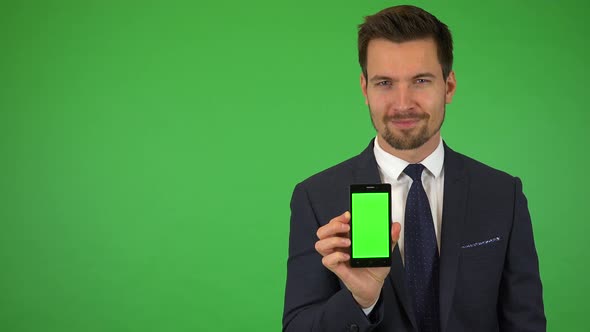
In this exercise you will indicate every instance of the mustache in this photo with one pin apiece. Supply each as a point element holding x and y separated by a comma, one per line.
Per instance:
<point>406,116</point>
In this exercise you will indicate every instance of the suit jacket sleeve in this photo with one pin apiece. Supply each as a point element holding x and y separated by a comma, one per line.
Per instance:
<point>520,298</point>
<point>314,297</point>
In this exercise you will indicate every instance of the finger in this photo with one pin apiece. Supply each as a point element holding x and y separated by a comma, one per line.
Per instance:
<point>395,231</point>
<point>345,217</point>
<point>335,226</point>
<point>333,260</point>
<point>331,244</point>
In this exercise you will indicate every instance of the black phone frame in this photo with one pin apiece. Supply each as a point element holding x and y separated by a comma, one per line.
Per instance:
<point>370,188</point>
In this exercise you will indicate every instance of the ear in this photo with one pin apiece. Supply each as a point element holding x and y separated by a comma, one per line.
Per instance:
<point>364,88</point>
<point>451,86</point>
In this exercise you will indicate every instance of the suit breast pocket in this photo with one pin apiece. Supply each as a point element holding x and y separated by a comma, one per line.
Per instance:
<point>480,268</point>
<point>483,250</point>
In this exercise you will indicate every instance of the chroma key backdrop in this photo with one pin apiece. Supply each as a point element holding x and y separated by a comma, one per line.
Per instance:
<point>149,149</point>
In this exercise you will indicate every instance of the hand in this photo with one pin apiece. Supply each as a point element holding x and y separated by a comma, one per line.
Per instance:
<point>334,241</point>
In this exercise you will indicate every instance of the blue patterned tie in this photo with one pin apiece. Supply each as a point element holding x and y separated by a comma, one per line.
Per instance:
<point>421,254</point>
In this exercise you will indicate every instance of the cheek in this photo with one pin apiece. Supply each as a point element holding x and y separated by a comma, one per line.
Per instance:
<point>379,101</point>
<point>375,103</point>
<point>431,103</point>
<point>373,96</point>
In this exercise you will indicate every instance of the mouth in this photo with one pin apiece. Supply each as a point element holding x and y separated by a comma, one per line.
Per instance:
<point>405,123</point>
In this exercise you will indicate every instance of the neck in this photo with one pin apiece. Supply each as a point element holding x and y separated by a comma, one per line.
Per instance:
<point>413,156</point>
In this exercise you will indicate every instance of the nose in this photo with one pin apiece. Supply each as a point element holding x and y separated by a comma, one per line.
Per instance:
<point>402,98</point>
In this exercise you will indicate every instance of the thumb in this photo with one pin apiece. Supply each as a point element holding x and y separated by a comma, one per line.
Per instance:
<point>395,230</point>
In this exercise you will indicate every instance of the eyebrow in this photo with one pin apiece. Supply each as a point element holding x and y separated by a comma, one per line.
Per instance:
<point>387,78</point>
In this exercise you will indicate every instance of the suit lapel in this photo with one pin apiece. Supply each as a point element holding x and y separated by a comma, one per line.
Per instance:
<point>453,218</point>
<point>367,172</point>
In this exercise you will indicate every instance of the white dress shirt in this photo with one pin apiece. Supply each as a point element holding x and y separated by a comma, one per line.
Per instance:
<point>391,170</point>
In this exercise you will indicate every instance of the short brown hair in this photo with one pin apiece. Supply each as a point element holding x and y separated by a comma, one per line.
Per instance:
<point>405,23</point>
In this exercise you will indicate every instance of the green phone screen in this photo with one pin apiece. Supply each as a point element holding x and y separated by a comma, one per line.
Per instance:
<point>370,225</point>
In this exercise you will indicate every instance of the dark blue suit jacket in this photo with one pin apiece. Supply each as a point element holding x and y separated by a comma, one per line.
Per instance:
<point>489,273</point>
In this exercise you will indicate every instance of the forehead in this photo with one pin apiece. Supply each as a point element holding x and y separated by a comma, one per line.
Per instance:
<point>385,57</point>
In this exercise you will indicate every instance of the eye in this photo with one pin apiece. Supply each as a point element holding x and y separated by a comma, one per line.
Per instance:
<point>422,81</point>
<point>383,83</point>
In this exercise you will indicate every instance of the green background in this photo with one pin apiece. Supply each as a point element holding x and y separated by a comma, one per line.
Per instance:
<point>370,225</point>
<point>149,149</point>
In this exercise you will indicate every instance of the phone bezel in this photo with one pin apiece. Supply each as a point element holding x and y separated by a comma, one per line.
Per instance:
<point>370,188</point>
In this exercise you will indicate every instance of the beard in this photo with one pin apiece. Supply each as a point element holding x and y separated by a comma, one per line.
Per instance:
<point>411,138</point>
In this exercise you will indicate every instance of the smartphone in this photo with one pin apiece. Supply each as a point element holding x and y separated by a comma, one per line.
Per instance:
<point>370,225</point>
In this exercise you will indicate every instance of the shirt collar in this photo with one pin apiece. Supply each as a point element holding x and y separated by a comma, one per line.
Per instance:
<point>393,166</point>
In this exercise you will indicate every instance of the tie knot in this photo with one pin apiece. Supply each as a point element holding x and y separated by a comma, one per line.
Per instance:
<point>414,171</point>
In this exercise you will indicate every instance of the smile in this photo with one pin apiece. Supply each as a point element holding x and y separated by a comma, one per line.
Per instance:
<point>405,123</point>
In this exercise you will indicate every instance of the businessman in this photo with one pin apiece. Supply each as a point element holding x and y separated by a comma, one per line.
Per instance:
<point>464,257</point>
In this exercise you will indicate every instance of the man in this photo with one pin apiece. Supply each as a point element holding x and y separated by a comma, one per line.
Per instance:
<point>464,259</point>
